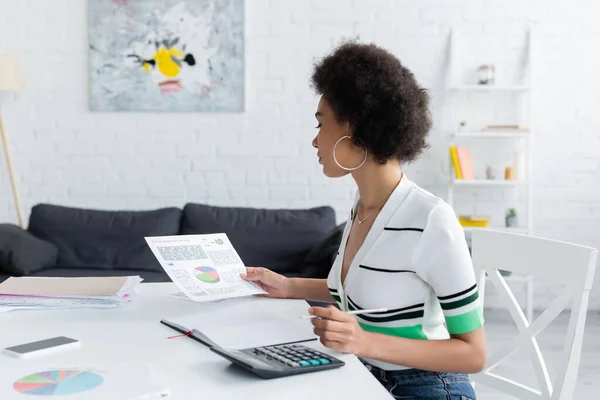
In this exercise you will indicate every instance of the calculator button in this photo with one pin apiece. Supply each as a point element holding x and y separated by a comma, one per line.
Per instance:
<point>314,362</point>
<point>323,361</point>
<point>303,363</point>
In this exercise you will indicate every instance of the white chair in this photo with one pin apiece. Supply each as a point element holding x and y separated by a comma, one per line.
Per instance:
<point>567,264</point>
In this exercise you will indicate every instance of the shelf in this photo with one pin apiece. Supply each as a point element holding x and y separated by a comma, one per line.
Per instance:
<point>487,182</point>
<point>523,230</point>
<point>491,88</point>
<point>493,135</point>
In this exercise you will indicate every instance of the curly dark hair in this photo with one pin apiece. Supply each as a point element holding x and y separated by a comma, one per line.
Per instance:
<point>368,87</point>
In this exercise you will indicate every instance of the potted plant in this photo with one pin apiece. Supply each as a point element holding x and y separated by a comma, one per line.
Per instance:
<point>511,218</point>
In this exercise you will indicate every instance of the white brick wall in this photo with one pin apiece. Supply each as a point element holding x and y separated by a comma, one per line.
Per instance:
<point>67,155</point>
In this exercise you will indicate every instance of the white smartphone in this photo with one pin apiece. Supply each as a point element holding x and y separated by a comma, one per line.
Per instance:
<point>41,347</point>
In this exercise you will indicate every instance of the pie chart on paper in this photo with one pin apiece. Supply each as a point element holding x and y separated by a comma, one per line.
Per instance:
<point>60,382</point>
<point>207,274</point>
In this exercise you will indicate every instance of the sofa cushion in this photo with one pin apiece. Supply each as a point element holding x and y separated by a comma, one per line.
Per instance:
<point>103,239</point>
<point>277,239</point>
<point>318,261</point>
<point>21,253</point>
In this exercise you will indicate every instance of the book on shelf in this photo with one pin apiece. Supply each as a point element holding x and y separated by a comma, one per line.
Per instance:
<point>462,162</point>
<point>454,158</point>
<point>474,220</point>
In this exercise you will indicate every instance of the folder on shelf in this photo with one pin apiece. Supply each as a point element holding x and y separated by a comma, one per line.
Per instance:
<point>465,163</point>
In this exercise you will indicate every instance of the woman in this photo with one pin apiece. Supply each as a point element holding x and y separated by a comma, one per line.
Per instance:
<point>402,249</point>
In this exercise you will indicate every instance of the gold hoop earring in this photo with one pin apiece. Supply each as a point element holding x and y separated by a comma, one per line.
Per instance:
<point>346,168</point>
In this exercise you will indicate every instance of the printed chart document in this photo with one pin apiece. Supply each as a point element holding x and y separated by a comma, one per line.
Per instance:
<point>204,267</point>
<point>119,381</point>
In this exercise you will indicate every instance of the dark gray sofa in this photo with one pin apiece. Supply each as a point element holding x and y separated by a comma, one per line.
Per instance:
<point>66,241</point>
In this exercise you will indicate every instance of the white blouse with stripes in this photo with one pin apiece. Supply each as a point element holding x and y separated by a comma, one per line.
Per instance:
<point>415,263</point>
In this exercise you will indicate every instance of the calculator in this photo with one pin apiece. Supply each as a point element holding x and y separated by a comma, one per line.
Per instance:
<point>281,360</point>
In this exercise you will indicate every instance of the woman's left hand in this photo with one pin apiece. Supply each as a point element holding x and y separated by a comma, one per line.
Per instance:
<point>339,330</point>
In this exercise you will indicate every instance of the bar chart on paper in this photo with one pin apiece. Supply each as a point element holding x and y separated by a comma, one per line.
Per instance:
<point>58,382</point>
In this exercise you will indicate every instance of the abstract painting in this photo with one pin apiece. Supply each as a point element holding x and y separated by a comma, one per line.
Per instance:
<point>166,55</point>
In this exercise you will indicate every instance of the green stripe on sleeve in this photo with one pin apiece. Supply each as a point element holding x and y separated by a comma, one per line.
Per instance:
<point>466,322</point>
<point>336,298</point>
<point>409,332</point>
<point>460,303</point>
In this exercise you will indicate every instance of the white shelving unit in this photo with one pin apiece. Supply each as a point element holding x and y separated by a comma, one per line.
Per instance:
<point>456,137</point>
<point>494,88</point>
<point>518,90</point>
<point>483,182</point>
<point>492,135</point>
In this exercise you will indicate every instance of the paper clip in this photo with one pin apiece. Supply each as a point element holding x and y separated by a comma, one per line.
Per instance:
<point>182,335</point>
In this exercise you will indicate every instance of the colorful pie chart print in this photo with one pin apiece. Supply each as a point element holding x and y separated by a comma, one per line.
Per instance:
<point>219,241</point>
<point>60,382</point>
<point>207,274</point>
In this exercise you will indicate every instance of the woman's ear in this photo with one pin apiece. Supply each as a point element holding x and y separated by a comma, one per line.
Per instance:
<point>347,128</point>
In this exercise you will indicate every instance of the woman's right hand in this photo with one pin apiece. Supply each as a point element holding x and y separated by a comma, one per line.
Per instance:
<point>276,285</point>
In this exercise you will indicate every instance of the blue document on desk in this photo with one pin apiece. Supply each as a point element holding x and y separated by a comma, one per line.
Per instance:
<point>247,323</point>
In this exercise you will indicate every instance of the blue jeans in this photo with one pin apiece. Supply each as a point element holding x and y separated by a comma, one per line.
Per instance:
<point>418,384</point>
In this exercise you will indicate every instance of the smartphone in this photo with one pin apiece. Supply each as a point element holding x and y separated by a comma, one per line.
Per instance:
<point>41,347</point>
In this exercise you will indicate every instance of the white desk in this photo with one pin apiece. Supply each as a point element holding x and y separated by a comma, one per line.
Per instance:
<point>186,366</point>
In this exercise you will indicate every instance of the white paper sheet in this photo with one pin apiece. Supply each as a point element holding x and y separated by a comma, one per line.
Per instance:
<point>74,293</point>
<point>204,267</point>
<point>81,381</point>
<point>250,323</point>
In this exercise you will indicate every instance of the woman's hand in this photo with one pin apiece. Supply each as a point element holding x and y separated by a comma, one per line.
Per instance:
<point>276,285</point>
<point>339,330</point>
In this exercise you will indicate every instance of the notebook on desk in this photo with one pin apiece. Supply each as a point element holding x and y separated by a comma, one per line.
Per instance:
<point>261,336</point>
<point>245,324</point>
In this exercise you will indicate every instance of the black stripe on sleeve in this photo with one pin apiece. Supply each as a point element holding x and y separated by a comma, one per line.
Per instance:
<point>385,270</point>
<point>332,290</point>
<point>390,317</point>
<point>395,310</point>
<point>400,309</point>
<point>389,228</point>
<point>395,317</point>
<point>457,294</point>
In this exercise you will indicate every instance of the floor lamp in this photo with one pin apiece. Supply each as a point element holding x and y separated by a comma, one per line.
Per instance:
<point>10,81</point>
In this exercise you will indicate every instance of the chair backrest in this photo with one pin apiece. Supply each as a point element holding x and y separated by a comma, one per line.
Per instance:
<point>568,264</point>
